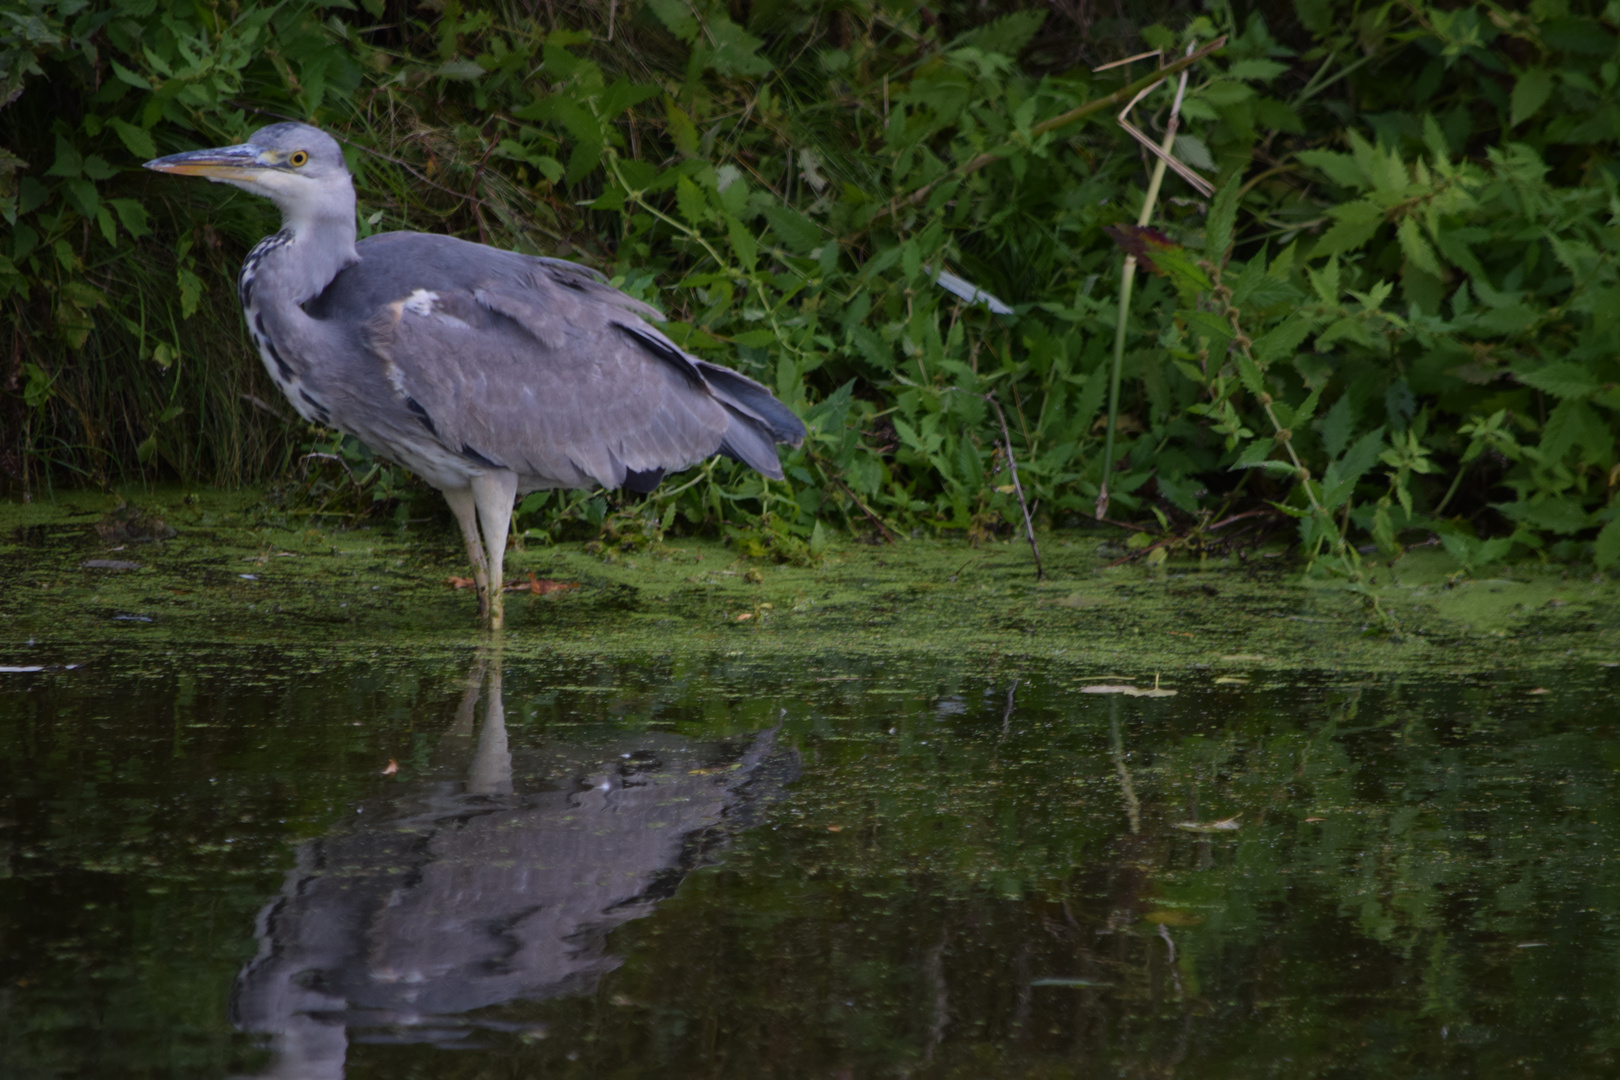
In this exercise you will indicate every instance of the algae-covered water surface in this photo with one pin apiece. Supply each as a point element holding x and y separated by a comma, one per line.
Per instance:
<point>269,806</point>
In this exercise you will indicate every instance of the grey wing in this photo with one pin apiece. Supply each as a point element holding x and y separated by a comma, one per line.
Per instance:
<point>538,367</point>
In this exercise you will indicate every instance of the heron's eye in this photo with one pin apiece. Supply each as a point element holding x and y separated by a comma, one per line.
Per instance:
<point>297,158</point>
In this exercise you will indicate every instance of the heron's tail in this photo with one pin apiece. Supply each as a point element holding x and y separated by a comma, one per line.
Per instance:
<point>758,420</point>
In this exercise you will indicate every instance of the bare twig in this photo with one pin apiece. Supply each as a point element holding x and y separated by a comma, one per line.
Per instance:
<point>1012,465</point>
<point>867,510</point>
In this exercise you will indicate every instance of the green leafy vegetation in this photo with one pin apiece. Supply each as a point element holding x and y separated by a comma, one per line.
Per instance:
<point>1397,322</point>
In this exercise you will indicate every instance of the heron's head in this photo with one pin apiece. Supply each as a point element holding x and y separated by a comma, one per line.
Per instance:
<point>300,167</point>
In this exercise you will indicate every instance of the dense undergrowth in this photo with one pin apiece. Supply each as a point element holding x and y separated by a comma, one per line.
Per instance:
<point>1398,320</point>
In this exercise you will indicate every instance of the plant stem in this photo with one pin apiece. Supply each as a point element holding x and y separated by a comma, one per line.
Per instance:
<point>1128,277</point>
<point>1012,465</point>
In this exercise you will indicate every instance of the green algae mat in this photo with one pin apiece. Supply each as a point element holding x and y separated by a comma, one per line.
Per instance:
<point>89,570</point>
<point>270,805</point>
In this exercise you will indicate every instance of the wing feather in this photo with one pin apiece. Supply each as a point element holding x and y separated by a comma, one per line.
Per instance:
<point>537,365</point>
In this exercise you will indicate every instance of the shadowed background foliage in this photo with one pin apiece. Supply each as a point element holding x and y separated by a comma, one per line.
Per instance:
<point>1408,280</point>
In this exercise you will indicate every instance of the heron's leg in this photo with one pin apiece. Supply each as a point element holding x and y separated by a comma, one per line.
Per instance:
<point>495,492</point>
<point>462,504</point>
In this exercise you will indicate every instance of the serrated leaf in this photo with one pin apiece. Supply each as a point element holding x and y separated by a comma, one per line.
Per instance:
<point>1222,218</point>
<point>689,200</point>
<point>131,215</point>
<point>1562,380</point>
<point>1007,35</point>
<point>1336,427</point>
<point>1416,247</point>
<point>1355,225</point>
<point>1530,93</point>
<point>1307,409</point>
<point>1211,325</point>
<point>1250,374</point>
<point>1283,339</point>
<point>1340,168</point>
<point>743,243</point>
<point>797,231</point>
<point>136,140</point>
<point>69,162</point>
<point>1194,151</point>
<point>1255,454</point>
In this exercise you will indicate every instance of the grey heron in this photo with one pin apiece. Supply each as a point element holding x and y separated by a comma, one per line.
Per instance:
<point>485,372</point>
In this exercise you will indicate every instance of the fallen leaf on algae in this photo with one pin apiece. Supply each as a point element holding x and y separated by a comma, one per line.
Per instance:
<point>745,616</point>
<point>1224,825</point>
<point>459,582</point>
<point>1540,690</point>
<point>1231,679</point>
<point>391,768</point>
<point>540,586</point>
<point>1128,691</point>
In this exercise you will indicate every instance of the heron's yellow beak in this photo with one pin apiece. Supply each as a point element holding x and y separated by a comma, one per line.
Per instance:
<point>223,163</point>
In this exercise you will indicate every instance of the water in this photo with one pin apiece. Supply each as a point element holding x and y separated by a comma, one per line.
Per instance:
<point>253,863</point>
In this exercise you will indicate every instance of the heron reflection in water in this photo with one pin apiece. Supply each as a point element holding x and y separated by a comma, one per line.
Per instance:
<point>471,890</point>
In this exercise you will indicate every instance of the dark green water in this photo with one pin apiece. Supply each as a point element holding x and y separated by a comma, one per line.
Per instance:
<point>857,867</point>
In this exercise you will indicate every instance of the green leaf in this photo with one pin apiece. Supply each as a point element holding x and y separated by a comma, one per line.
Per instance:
<point>1250,374</point>
<point>1255,454</point>
<point>742,243</point>
<point>1336,427</point>
<point>191,288</point>
<point>1562,380</point>
<point>1342,475</point>
<point>1355,224</point>
<point>1256,70</point>
<point>1530,93</point>
<point>1211,325</point>
<point>69,162</point>
<point>1606,550</point>
<point>1340,168</point>
<point>1195,152</point>
<point>733,53</point>
<point>1283,339</point>
<point>1007,35</point>
<point>676,15</point>
<point>1415,247</point>
<point>1222,217</point>
<point>137,140</point>
<point>622,95</point>
<point>1307,409</point>
<point>1226,92</point>
<point>691,203</point>
<point>797,231</point>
